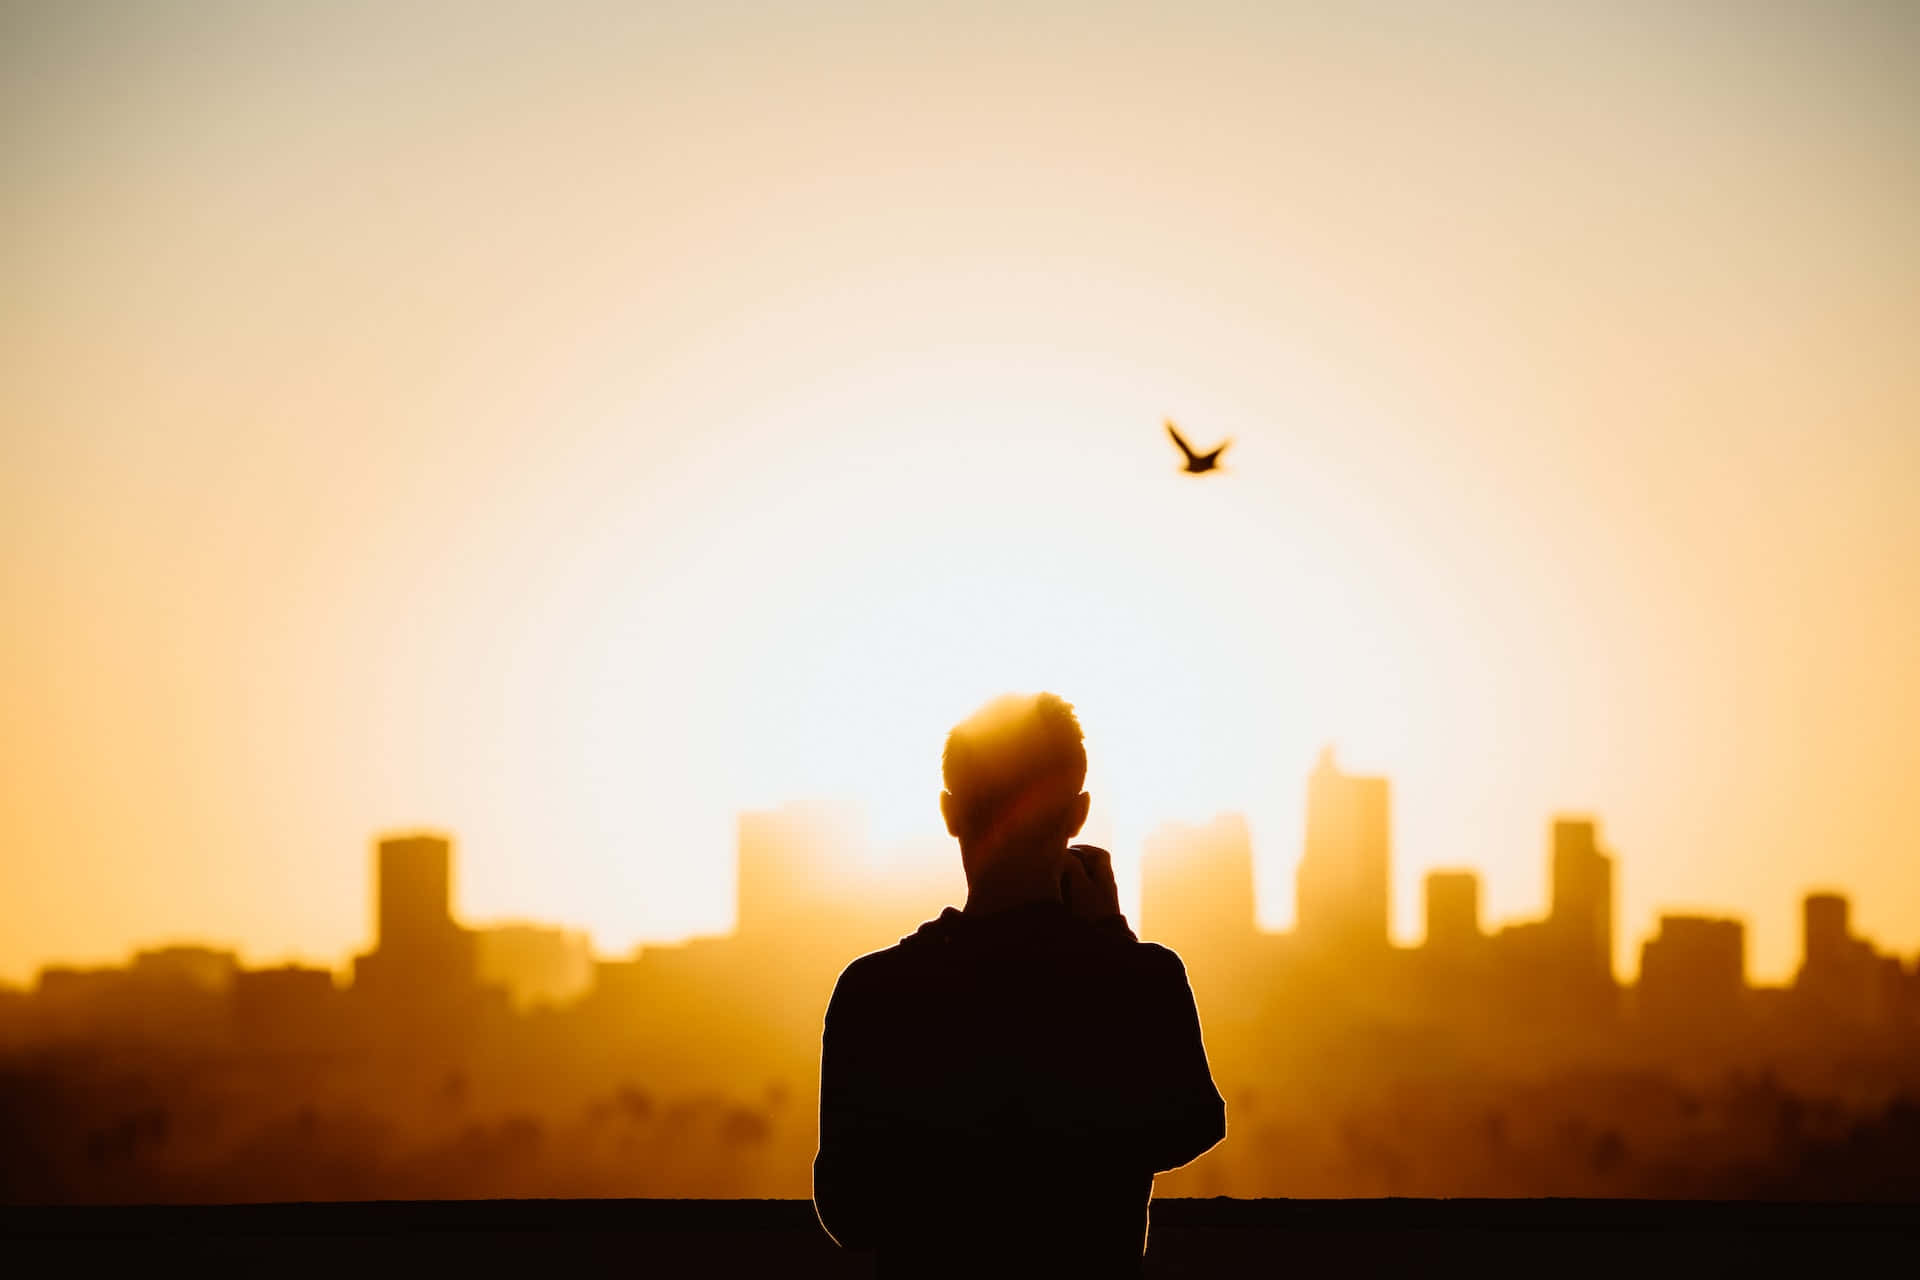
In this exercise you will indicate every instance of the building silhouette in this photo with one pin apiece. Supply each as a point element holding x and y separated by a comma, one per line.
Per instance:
<point>286,1007</point>
<point>173,994</point>
<point>423,965</point>
<point>1581,916</point>
<point>1842,979</point>
<point>1693,977</point>
<point>1342,888</point>
<point>723,1009</point>
<point>1453,914</point>
<point>207,969</point>
<point>413,900</point>
<point>534,964</point>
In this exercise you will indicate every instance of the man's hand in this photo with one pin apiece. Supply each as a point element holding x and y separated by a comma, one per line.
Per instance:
<point>1086,881</point>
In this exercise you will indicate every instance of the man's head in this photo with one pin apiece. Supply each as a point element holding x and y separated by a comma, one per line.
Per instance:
<point>1014,771</point>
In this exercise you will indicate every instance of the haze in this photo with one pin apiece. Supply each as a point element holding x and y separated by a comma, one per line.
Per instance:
<point>570,424</point>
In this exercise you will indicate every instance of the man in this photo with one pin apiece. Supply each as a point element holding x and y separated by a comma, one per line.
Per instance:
<point>998,1090</point>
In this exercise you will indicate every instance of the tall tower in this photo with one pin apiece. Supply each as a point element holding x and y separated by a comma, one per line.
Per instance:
<point>414,903</point>
<point>1342,888</point>
<point>1824,932</point>
<point>421,958</point>
<point>1581,917</point>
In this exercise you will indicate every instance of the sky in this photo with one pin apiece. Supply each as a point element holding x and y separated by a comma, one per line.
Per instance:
<point>570,424</point>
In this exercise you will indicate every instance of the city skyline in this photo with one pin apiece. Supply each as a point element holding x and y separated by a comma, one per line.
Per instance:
<point>1347,853</point>
<point>464,1060</point>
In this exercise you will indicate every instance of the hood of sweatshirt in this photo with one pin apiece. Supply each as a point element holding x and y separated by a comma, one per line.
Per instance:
<point>955,925</point>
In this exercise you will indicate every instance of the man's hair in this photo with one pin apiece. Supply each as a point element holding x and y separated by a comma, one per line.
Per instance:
<point>1024,748</point>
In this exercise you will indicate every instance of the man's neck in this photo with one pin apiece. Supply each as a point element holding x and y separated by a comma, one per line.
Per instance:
<point>1016,880</point>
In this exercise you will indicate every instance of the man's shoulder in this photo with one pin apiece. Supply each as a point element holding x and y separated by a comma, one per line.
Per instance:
<point>890,964</point>
<point>1154,962</point>
<point>874,967</point>
<point>1154,956</point>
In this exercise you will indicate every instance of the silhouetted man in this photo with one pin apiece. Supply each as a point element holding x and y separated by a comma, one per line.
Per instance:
<point>998,1090</point>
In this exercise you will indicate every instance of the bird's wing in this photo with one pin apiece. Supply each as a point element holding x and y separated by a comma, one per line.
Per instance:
<point>1213,459</point>
<point>1184,446</point>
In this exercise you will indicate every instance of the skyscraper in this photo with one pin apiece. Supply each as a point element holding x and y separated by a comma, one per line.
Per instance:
<point>1825,931</point>
<point>1453,912</point>
<point>1341,890</point>
<point>421,957</point>
<point>1581,917</point>
<point>414,903</point>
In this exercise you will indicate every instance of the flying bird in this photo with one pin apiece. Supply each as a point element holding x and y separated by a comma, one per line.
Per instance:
<point>1197,463</point>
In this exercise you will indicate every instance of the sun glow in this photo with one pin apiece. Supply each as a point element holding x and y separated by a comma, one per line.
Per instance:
<point>568,432</point>
<point>883,587</point>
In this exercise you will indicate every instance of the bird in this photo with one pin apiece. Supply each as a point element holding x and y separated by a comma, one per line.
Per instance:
<point>1197,463</point>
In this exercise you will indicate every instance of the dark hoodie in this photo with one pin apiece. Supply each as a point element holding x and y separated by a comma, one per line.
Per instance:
<point>997,1092</point>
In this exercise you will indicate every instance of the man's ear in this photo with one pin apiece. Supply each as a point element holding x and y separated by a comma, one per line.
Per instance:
<point>950,810</point>
<point>1077,816</point>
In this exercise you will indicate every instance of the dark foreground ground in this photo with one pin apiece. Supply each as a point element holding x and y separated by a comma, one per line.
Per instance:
<point>780,1238</point>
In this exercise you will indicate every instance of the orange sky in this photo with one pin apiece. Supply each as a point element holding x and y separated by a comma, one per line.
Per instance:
<point>568,424</point>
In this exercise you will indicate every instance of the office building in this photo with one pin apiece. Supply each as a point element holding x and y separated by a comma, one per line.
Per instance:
<point>1581,914</point>
<point>1693,974</point>
<point>421,956</point>
<point>1342,893</point>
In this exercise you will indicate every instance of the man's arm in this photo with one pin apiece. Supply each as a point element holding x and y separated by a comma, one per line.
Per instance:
<point>1181,1114</point>
<point>1185,1114</point>
<point>850,1174</point>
